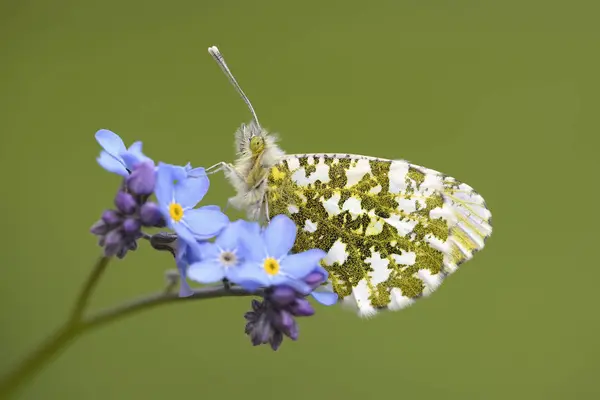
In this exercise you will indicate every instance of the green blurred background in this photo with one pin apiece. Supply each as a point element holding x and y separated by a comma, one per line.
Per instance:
<point>500,94</point>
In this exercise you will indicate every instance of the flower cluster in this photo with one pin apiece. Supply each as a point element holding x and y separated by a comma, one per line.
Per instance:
<point>210,249</point>
<point>118,230</point>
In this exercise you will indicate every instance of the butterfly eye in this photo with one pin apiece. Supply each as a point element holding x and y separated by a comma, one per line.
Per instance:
<point>257,144</point>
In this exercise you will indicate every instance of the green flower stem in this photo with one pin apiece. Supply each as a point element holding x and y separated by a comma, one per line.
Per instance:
<point>77,324</point>
<point>91,283</point>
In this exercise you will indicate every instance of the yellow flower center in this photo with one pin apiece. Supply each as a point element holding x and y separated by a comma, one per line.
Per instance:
<point>271,266</point>
<point>176,212</point>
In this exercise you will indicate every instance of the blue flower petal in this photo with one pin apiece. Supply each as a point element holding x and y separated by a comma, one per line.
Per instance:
<point>131,160</point>
<point>186,236</point>
<point>192,189</point>
<point>208,271</point>
<point>184,287</point>
<point>111,164</point>
<point>325,298</point>
<point>110,142</point>
<point>252,246</point>
<point>251,276</point>
<point>135,148</point>
<point>280,236</point>
<point>296,284</point>
<point>134,155</point>
<point>204,222</point>
<point>229,238</point>
<point>164,188</point>
<point>250,227</point>
<point>208,251</point>
<point>195,172</point>
<point>301,264</point>
<point>211,207</point>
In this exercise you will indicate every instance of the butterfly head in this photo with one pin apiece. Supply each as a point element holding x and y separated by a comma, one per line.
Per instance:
<point>257,145</point>
<point>251,140</point>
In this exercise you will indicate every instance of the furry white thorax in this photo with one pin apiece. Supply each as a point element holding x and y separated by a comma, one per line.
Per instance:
<point>251,194</point>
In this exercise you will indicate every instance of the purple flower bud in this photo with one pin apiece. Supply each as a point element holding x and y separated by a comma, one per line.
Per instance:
<point>293,334</point>
<point>150,214</point>
<point>262,331</point>
<point>125,202</point>
<point>111,218</point>
<point>314,279</point>
<point>142,179</point>
<point>99,228</point>
<point>276,340</point>
<point>131,226</point>
<point>283,321</point>
<point>256,305</point>
<point>283,295</point>
<point>113,243</point>
<point>301,308</point>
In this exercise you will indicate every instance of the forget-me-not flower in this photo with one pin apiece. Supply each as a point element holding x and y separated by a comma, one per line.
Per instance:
<point>222,258</point>
<point>269,262</point>
<point>178,190</point>
<point>116,157</point>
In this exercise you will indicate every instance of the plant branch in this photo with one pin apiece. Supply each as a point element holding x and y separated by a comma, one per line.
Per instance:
<point>75,327</point>
<point>91,283</point>
<point>158,299</point>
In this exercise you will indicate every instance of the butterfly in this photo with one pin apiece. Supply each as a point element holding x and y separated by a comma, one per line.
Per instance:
<point>392,230</point>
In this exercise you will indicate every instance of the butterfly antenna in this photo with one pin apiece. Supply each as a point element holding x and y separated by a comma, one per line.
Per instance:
<point>216,54</point>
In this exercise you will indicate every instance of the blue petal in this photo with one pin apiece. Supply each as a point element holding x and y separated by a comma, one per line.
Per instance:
<point>205,223</point>
<point>229,238</point>
<point>250,227</point>
<point>208,251</point>
<point>135,148</point>
<point>131,160</point>
<point>134,155</point>
<point>195,172</point>
<point>164,187</point>
<point>110,142</point>
<point>111,164</point>
<point>184,234</point>
<point>191,190</point>
<point>296,284</point>
<point>251,276</point>
<point>325,298</point>
<point>280,236</point>
<point>211,207</point>
<point>301,264</point>
<point>252,246</point>
<point>206,272</point>
<point>184,287</point>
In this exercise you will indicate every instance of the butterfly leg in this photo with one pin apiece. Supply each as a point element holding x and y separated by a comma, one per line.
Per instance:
<point>266,203</point>
<point>223,166</point>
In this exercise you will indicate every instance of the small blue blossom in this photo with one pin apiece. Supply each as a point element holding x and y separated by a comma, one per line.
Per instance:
<point>178,191</point>
<point>267,259</point>
<point>115,157</point>
<point>222,259</point>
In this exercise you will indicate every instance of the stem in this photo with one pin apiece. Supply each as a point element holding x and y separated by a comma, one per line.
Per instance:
<point>42,355</point>
<point>91,283</point>
<point>158,299</point>
<point>73,328</point>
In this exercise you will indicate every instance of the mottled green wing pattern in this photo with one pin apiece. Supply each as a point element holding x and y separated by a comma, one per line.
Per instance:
<point>393,230</point>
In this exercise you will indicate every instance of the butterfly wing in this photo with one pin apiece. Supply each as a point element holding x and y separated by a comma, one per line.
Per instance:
<point>393,231</point>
